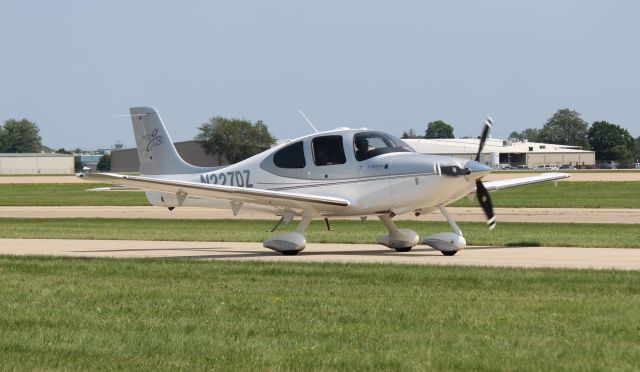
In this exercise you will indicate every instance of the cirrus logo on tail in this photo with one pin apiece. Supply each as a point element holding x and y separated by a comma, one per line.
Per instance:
<point>153,140</point>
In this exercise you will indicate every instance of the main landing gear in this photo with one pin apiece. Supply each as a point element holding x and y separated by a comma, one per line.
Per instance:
<point>292,242</point>
<point>400,239</point>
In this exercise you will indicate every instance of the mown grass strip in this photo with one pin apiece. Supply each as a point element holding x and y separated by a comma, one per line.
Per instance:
<point>545,195</point>
<point>565,195</point>
<point>86,314</point>
<point>66,194</point>
<point>506,234</point>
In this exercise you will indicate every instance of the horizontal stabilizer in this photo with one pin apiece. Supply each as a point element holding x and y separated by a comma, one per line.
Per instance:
<point>115,188</point>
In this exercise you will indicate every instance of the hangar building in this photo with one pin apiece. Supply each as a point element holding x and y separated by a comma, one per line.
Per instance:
<point>35,163</point>
<point>513,152</point>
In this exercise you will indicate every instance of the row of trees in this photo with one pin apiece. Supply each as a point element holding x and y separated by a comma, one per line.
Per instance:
<point>566,127</point>
<point>231,139</point>
<point>237,139</point>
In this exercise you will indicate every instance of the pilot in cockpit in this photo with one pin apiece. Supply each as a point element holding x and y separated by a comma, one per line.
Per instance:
<point>362,148</point>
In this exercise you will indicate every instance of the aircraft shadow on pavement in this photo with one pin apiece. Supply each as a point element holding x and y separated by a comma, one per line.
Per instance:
<point>227,253</point>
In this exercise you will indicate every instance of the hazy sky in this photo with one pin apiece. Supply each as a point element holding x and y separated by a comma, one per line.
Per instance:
<point>72,66</point>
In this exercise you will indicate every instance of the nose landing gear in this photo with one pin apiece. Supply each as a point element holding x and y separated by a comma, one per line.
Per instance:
<point>446,242</point>
<point>402,240</point>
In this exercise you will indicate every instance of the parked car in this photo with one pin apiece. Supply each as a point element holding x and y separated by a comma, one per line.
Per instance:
<point>590,166</point>
<point>547,167</point>
<point>522,167</point>
<point>567,166</point>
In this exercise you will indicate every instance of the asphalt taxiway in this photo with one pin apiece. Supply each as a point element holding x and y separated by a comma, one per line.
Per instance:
<point>528,257</point>
<point>529,215</point>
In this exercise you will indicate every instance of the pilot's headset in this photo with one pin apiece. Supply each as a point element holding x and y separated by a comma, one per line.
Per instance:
<point>362,142</point>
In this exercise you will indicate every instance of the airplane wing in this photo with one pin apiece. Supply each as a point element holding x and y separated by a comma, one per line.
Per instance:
<point>504,184</point>
<point>232,193</point>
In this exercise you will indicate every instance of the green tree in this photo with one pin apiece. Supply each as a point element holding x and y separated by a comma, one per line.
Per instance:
<point>235,139</point>
<point>410,134</point>
<point>20,136</point>
<point>637,155</point>
<point>77,163</point>
<point>622,154</point>
<point>604,137</point>
<point>529,134</point>
<point>104,164</point>
<point>439,129</point>
<point>565,127</point>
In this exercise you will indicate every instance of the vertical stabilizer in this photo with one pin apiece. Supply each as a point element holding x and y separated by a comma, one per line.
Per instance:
<point>156,151</point>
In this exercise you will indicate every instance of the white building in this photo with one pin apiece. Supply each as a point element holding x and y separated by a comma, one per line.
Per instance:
<point>34,163</point>
<point>512,152</point>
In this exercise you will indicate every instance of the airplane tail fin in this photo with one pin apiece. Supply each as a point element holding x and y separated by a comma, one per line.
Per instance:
<point>156,151</point>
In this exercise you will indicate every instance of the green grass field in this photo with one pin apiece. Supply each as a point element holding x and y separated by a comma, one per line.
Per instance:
<point>505,234</point>
<point>87,314</point>
<point>565,195</point>
<point>545,195</point>
<point>66,194</point>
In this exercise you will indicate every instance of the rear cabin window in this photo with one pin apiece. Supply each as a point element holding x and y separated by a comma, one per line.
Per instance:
<point>328,150</point>
<point>292,156</point>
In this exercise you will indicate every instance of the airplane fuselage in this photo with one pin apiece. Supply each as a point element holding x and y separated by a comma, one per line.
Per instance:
<point>389,179</point>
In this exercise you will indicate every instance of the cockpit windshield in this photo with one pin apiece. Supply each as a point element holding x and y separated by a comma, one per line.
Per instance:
<point>367,145</point>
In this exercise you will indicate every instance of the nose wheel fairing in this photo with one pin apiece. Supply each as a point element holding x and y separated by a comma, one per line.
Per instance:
<point>401,240</point>
<point>447,242</point>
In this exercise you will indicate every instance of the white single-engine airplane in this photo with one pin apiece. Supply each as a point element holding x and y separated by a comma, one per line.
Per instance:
<point>338,173</point>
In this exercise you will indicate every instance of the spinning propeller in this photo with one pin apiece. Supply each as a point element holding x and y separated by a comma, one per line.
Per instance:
<point>481,191</point>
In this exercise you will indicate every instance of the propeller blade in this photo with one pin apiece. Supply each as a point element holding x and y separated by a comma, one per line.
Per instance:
<point>485,203</point>
<point>485,132</point>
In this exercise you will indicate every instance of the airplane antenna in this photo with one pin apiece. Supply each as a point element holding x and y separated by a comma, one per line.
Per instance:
<point>308,121</point>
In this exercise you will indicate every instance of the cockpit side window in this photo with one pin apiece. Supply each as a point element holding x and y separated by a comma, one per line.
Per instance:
<point>291,156</point>
<point>367,145</point>
<point>328,150</point>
